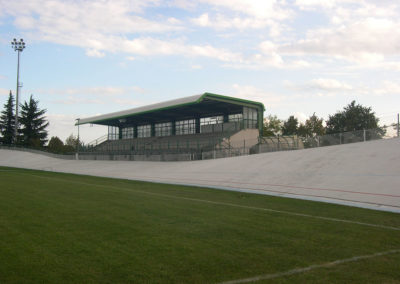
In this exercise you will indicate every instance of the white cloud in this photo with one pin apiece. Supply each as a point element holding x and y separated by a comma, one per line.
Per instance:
<point>71,100</point>
<point>95,53</point>
<point>365,41</point>
<point>329,85</point>
<point>103,91</point>
<point>196,66</point>
<point>245,14</point>
<point>94,95</point>
<point>301,117</point>
<point>271,9</point>
<point>107,26</point>
<point>256,94</point>
<point>324,87</point>
<point>388,88</point>
<point>221,22</point>
<point>202,20</point>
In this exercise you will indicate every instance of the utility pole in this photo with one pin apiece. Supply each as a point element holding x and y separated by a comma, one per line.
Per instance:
<point>78,142</point>
<point>19,47</point>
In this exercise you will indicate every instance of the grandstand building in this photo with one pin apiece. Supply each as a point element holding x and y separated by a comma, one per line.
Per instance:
<point>193,127</point>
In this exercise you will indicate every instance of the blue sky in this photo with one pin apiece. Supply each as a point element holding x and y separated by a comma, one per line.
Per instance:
<point>297,57</point>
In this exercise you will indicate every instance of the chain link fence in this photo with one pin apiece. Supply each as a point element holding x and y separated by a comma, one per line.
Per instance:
<point>211,145</point>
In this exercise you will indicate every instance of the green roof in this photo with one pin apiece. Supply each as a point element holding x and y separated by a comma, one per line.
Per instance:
<point>200,105</point>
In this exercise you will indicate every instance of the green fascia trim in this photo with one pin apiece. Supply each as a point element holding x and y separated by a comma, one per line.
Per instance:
<point>230,99</point>
<point>260,106</point>
<point>205,95</point>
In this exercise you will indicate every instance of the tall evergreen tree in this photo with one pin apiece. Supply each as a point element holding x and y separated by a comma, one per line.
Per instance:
<point>7,121</point>
<point>33,124</point>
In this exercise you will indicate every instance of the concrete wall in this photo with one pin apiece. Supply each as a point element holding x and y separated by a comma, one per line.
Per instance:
<point>132,157</point>
<point>363,174</point>
<point>48,154</point>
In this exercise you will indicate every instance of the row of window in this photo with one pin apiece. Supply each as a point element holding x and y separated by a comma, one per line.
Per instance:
<point>249,117</point>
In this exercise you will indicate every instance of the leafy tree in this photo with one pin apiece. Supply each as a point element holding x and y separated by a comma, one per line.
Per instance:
<point>56,145</point>
<point>353,117</point>
<point>290,126</point>
<point>7,121</point>
<point>303,131</point>
<point>71,143</point>
<point>272,126</point>
<point>315,126</point>
<point>312,127</point>
<point>33,124</point>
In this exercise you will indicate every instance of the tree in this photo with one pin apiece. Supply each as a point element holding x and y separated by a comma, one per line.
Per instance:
<point>315,126</point>
<point>272,126</point>
<point>33,124</point>
<point>7,121</point>
<point>56,145</point>
<point>312,127</point>
<point>353,117</point>
<point>303,130</point>
<point>71,143</point>
<point>290,126</point>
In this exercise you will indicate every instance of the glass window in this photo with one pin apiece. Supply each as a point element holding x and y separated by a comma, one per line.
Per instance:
<point>250,117</point>
<point>144,131</point>
<point>113,133</point>
<point>185,127</point>
<point>127,132</point>
<point>163,129</point>
<point>235,117</point>
<point>212,120</point>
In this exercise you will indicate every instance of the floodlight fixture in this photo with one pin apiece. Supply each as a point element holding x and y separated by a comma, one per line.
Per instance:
<point>18,46</point>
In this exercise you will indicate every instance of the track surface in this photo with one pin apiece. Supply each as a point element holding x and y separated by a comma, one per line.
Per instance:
<point>360,174</point>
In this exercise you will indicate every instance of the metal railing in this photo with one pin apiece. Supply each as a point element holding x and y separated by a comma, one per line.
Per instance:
<point>201,147</point>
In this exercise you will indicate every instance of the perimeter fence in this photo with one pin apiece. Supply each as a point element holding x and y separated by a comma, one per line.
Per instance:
<point>194,147</point>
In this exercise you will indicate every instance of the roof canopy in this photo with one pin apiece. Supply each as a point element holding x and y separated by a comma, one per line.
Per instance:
<point>204,105</point>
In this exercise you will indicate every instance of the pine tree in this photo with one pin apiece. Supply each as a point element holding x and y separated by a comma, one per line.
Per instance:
<point>7,121</point>
<point>33,124</point>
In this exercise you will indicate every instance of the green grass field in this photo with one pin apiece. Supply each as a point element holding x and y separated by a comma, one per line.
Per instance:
<point>57,228</point>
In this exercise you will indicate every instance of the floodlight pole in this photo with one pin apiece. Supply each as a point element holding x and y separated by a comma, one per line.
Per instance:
<point>19,47</point>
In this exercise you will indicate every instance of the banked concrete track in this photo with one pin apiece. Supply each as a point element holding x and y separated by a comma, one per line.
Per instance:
<point>361,174</point>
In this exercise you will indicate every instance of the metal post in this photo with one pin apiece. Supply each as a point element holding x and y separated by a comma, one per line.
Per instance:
<point>17,102</point>
<point>78,141</point>
<point>278,143</point>
<point>365,138</point>
<point>19,47</point>
<point>398,129</point>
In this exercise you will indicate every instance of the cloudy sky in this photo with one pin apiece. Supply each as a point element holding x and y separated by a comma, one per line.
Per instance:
<point>296,56</point>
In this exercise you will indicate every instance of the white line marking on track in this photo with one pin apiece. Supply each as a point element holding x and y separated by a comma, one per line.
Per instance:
<point>225,204</point>
<point>311,267</point>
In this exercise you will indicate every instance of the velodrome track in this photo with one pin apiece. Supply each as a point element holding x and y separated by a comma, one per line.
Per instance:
<point>361,174</point>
